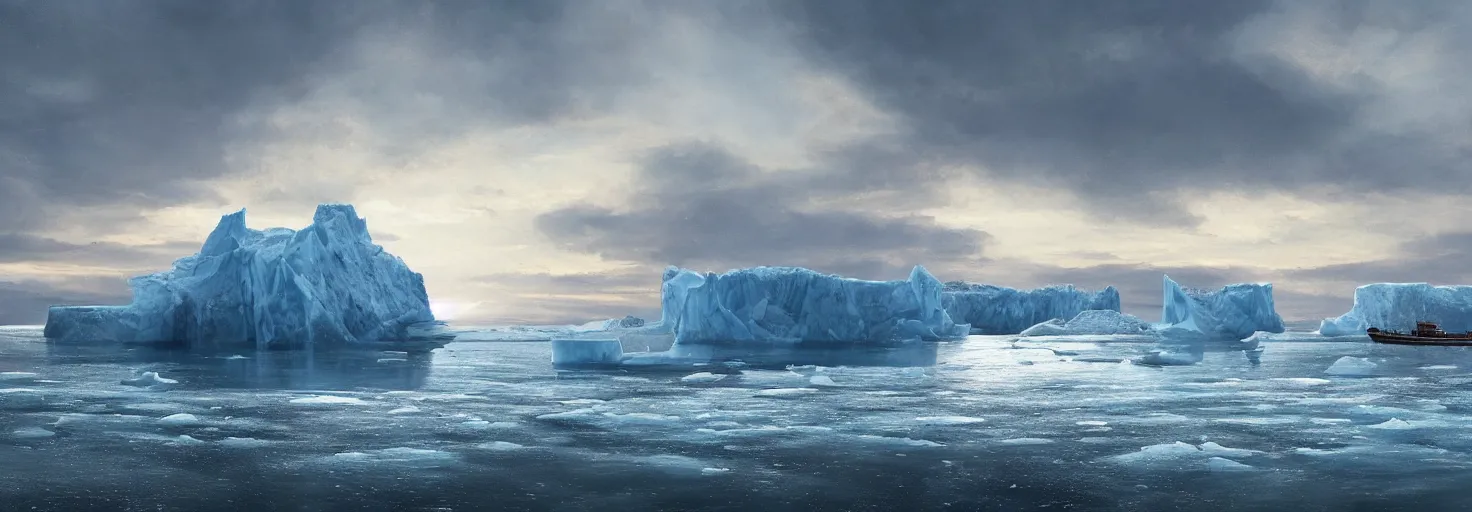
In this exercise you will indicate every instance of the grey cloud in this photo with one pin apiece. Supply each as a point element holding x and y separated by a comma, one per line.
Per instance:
<point>697,205</point>
<point>1124,102</point>
<point>25,303</point>
<point>15,247</point>
<point>1436,259</point>
<point>137,103</point>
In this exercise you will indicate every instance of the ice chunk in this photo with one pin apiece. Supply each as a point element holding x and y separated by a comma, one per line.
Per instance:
<point>179,420</point>
<point>702,378</point>
<point>1000,310</point>
<point>1349,366</point>
<point>946,421</point>
<point>1220,465</point>
<point>791,305</point>
<point>327,284</point>
<point>1234,312</point>
<point>32,433</point>
<point>1398,306</point>
<point>149,379</point>
<point>1091,322</point>
<point>328,400</point>
<point>570,353</point>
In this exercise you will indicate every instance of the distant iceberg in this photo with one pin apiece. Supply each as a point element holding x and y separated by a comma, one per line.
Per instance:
<point>786,305</point>
<point>1398,306</point>
<point>1092,322</point>
<point>1234,312</point>
<point>1000,310</point>
<point>326,284</point>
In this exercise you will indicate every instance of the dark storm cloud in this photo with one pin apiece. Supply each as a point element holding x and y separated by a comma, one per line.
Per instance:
<point>106,103</point>
<point>1438,259</point>
<point>701,206</point>
<point>17,247</point>
<point>1123,102</point>
<point>25,303</point>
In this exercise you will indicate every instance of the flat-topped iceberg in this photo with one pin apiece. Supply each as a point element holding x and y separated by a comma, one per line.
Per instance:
<point>326,284</point>
<point>1091,322</point>
<point>797,305</point>
<point>1000,310</point>
<point>1398,306</point>
<point>1234,312</point>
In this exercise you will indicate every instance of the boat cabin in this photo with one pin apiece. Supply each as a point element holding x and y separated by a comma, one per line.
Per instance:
<point>1428,329</point>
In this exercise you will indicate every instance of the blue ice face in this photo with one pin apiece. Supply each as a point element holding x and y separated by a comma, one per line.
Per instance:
<point>326,284</point>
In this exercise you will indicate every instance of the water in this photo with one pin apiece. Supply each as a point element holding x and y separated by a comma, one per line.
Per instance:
<point>990,425</point>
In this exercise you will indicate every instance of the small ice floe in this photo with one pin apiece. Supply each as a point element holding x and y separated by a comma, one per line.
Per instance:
<point>714,471</point>
<point>1091,423</point>
<point>785,392</point>
<point>1163,358</point>
<point>17,376</point>
<point>402,455</point>
<point>243,442</point>
<point>1439,367</point>
<point>1349,366</point>
<point>641,418</point>
<point>236,357</point>
<point>901,441</point>
<point>1330,421</point>
<point>32,433</point>
<point>823,381</point>
<point>1305,381</point>
<point>1220,465</point>
<point>582,401</point>
<point>179,420</point>
<point>1393,424</point>
<point>946,421</point>
<point>1025,441</point>
<point>1211,448</point>
<point>404,410</point>
<point>328,400</point>
<point>184,439</point>
<point>499,446</point>
<point>702,378</point>
<point>149,380</point>
<point>1179,451</point>
<point>1430,404</point>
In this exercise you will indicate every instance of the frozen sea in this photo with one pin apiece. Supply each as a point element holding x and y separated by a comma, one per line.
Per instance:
<point>984,424</point>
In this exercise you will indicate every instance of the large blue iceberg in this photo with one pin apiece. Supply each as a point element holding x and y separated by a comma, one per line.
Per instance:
<point>1233,312</point>
<point>1398,306</point>
<point>785,305</point>
<point>327,284</point>
<point>1000,310</point>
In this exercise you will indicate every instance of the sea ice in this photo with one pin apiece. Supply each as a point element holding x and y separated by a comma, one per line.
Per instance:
<point>1091,322</point>
<point>1398,306</point>
<point>1349,366</point>
<point>179,420</point>
<point>326,284</point>
<point>1234,312</point>
<point>792,305</point>
<point>999,310</point>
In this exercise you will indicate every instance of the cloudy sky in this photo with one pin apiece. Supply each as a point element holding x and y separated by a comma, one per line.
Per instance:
<point>543,160</point>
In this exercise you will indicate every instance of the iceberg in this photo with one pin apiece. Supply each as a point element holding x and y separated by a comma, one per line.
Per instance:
<point>1234,312</point>
<point>787,305</point>
<point>1001,310</point>
<point>1091,322</point>
<point>1398,306</point>
<point>326,284</point>
<point>586,352</point>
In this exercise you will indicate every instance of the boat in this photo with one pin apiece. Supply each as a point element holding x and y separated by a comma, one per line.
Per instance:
<point>1426,333</point>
